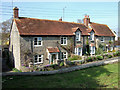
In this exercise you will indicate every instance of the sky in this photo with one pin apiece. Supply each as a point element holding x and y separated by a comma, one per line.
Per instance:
<point>99,12</point>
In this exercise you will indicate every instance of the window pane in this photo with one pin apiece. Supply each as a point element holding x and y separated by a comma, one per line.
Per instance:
<point>62,55</point>
<point>35,58</point>
<point>35,43</point>
<point>39,42</point>
<point>35,39</point>
<point>40,39</point>
<point>64,41</point>
<point>40,59</point>
<point>61,40</point>
<point>40,56</point>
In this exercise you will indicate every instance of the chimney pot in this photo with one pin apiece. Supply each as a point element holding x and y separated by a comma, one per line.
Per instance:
<point>15,12</point>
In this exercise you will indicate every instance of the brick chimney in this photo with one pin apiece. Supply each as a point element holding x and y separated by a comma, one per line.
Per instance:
<point>15,12</point>
<point>60,19</point>
<point>86,20</point>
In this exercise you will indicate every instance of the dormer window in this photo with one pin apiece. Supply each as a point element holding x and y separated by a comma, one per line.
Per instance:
<point>78,35</point>
<point>92,35</point>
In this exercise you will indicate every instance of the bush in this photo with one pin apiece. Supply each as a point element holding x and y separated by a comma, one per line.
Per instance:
<point>109,56</point>
<point>16,70</point>
<point>74,57</point>
<point>94,58</point>
<point>98,51</point>
<point>61,64</point>
<point>89,59</point>
<point>99,57</point>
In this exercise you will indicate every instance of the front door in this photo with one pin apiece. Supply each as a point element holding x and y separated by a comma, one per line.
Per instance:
<point>53,58</point>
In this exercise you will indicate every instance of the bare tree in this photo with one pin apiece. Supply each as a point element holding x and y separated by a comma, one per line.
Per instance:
<point>5,30</point>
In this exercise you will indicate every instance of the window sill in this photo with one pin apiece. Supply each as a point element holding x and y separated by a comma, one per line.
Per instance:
<point>38,63</point>
<point>37,45</point>
<point>63,44</point>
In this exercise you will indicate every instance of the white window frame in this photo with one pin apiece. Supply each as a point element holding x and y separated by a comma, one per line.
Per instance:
<point>63,40</point>
<point>79,35</point>
<point>37,41</point>
<point>77,51</point>
<point>92,50</point>
<point>111,38</point>
<point>102,39</point>
<point>38,59</point>
<point>92,36</point>
<point>63,55</point>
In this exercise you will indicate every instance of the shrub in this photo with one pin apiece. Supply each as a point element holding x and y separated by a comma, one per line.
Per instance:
<point>61,64</point>
<point>89,59</point>
<point>94,58</point>
<point>109,56</point>
<point>98,51</point>
<point>118,53</point>
<point>99,57</point>
<point>16,70</point>
<point>74,57</point>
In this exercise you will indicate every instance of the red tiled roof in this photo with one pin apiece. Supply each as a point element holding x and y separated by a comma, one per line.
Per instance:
<point>101,29</point>
<point>31,26</point>
<point>52,50</point>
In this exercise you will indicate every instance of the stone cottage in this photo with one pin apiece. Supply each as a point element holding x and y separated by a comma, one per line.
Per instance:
<point>48,41</point>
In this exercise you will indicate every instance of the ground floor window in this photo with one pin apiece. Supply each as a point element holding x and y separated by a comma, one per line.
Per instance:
<point>38,59</point>
<point>64,55</point>
<point>92,50</point>
<point>78,51</point>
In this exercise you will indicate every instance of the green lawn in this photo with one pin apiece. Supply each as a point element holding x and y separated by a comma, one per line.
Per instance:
<point>96,77</point>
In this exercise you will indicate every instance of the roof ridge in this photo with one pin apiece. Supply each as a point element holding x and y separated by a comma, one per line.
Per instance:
<point>50,20</point>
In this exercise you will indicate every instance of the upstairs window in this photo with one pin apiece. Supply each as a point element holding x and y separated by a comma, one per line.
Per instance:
<point>38,59</point>
<point>92,35</point>
<point>64,55</point>
<point>78,34</point>
<point>63,40</point>
<point>38,41</point>
<point>102,39</point>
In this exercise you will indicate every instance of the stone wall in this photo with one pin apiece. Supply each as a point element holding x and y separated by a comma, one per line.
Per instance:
<point>26,43</point>
<point>64,70</point>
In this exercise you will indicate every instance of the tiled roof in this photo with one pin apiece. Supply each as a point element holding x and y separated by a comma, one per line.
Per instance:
<point>52,50</point>
<point>31,26</point>
<point>101,29</point>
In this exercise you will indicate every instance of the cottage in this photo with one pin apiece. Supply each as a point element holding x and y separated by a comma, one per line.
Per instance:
<point>49,41</point>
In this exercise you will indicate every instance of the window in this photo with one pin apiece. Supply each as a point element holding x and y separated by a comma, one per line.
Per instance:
<point>78,36</point>
<point>92,35</point>
<point>92,50</point>
<point>111,38</point>
<point>38,59</point>
<point>63,40</point>
<point>102,39</point>
<point>38,41</point>
<point>78,51</point>
<point>64,55</point>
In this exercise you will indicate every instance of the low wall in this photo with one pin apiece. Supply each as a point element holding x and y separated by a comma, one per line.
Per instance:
<point>69,69</point>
